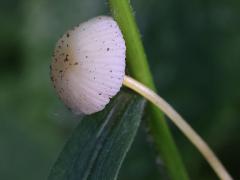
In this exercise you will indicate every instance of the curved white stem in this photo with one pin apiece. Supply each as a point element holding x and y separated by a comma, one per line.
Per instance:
<point>186,129</point>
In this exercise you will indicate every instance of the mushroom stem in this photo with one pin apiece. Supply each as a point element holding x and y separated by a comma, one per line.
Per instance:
<point>186,129</point>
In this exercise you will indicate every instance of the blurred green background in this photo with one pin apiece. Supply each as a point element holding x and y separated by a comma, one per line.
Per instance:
<point>194,53</point>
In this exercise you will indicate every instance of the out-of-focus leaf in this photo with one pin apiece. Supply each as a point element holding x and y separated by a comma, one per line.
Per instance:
<point>100,142</point>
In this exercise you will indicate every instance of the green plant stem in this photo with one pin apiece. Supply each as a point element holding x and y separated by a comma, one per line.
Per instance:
<point>139,69</point>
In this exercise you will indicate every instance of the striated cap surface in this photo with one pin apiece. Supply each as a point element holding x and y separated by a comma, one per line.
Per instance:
<point>88,65</point>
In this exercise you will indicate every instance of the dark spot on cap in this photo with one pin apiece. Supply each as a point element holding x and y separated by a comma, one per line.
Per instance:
<point>66,58</point>
<point>76,63</point>
<point>67,45</point>
<point>68,34</point>
<point>107,49</point>
<point>99,94</point>
<point>86,57</point>
<point>110,70</point>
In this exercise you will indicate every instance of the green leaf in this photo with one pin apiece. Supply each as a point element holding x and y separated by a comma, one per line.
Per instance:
<point>99,144</point>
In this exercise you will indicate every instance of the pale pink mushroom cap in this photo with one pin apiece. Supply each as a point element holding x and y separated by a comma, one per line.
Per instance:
<point>88,65</point>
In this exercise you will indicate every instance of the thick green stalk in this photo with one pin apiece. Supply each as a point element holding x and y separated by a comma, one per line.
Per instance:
<point>139,69</point>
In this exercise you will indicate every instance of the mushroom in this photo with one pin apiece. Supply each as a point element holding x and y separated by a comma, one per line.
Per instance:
<point>88,65</point>
<point>88,69</point>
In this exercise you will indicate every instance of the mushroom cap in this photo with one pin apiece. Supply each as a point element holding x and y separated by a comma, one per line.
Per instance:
<point>88,65</point>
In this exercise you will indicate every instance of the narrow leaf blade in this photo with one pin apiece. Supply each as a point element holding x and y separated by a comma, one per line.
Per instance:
<point>99,144</point>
